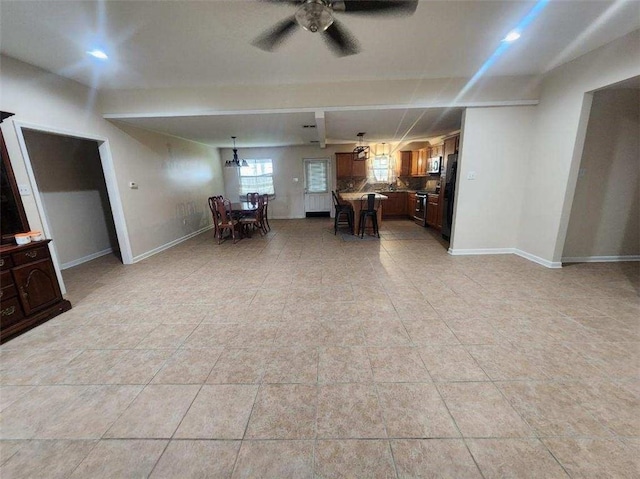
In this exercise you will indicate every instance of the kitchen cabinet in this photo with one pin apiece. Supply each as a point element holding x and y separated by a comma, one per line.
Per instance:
<point>419,162</point>
<point>346,167</point>
<point>437,150</point>
<point>405,163</point>
<point>30,293</point>
<point>395,205</point>
<point>433,200</point>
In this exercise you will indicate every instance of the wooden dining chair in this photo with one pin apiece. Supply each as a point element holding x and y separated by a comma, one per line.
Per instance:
<point>255,221</point>
<point>253,197</point>
<point>265,216</point>
<point>224,219</point>
<point>214,213</point>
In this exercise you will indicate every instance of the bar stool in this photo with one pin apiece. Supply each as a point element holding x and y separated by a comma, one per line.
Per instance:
<point>342,209</point>
<point>369,209</point>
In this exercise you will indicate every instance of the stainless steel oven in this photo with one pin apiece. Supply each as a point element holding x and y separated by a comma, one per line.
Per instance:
<point>420,210</point>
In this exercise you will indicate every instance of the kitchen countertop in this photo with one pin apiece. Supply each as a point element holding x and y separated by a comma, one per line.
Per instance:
<point>358,195</point>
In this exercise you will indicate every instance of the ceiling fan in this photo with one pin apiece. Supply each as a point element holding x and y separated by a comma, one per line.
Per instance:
<point>318,16</point>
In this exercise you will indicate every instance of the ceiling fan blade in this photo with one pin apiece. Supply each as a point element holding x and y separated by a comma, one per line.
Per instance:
<point>393,7</point>
<point>340,40</point>
<point>272,38</point>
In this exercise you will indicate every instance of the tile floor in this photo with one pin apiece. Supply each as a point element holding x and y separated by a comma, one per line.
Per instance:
<point>304,355</point>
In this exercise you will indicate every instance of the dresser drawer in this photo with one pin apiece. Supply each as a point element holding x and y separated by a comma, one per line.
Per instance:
<point>5,262</point>
<point>10,312</point>
<point>7,287</point>
<point>30,255</point>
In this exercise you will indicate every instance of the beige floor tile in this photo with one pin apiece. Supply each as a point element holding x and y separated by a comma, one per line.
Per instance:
<point>614,407</point>
<point>344,364</point>
<point>167,336</point>
<point>90,414</point>
<point>283,411</point>
<point>111,459</point>
<point>550,410</point>
<point>137,366</point>
<point>197,459</point>
<point>385,333</point>
<point>584,457</point>
<point>516,458</point>
<point>24,418</point>
<point>320,333</point>
<point>188,366</point>
<point>397,365</point>
<point>8,448</point>
<point>218,412</point>
<point>415,411</point>
<point>211,336</point>
<point>505,362</point>
<point>254,335</point>
<point>292,365</point>
<point>427,458</point>
<point>155,413</point>
<point>240,366</point>
<point>51,459</point>
<point>10,394</point>
<point>277,459</point>
<point>432,331</point>
<point>479,410</point>
<point>353,458</point>
<point>349,411</point>
<point>451,363</point>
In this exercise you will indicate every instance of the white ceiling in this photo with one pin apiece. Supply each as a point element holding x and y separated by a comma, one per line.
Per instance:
<point>181,44</point>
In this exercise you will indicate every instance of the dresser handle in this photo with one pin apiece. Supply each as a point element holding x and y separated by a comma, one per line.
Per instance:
<point>31,254</point>
<point>8,311</point>
<point>24,294</point>
<point>2,262</point>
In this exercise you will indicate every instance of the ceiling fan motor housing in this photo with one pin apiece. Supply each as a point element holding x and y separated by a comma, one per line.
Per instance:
<point>315,15</point>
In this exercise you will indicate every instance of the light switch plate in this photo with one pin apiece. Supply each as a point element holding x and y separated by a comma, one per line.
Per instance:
<point>24,190</point>
<point>133,185</point>
<point>471,175</point>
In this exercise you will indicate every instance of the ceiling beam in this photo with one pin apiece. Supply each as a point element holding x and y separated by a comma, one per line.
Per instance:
<point>321,129</point>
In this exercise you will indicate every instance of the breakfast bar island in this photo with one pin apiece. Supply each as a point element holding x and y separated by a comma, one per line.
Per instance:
<point>355,200</point>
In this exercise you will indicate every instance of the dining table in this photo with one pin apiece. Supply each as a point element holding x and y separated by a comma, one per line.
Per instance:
<point>244,207</point>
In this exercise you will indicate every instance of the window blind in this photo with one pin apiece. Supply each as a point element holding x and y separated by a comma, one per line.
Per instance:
<point>317,176</point>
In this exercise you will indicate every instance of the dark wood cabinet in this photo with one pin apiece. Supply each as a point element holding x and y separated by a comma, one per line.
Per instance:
<point>395,205</point>
<point>405,163</point>
<point>432,210</point>
<point>450,147</point>
<point>30,291</point>
<point>346,167</point>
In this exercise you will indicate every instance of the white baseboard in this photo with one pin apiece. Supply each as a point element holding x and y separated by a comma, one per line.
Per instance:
<point>537,259</point>
<point>523,254</point>
<point>168,245</point>
<point>463,252</point>
<point>84,259</point>
<point>600,259</point>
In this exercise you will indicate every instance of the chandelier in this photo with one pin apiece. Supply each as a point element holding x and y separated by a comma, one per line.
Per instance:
<point>361,152</point>
<point>235,162</point>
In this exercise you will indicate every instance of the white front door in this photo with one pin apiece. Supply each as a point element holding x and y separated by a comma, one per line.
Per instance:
<point>317,197</point>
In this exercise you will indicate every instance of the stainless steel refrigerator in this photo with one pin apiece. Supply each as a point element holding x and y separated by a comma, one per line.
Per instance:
<point>449,194</point>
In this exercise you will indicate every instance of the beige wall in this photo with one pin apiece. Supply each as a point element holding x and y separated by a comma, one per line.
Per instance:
<point>71,183</point>
<point>287,165</point>
<point>605,216</point>
<point>558,139</point>
<point>496,145</point>
<point>174,182</point>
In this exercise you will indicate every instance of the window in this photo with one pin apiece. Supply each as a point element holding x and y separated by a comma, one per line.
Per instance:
<point>257,176</point>
<point>316,176</point>
<point>380,167</point>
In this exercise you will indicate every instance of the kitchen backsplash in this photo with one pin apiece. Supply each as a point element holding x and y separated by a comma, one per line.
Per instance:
<point>403,183</point>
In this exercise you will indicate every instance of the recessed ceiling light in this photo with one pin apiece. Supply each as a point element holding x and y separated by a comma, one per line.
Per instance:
<point>99,54</point>
<point>512,36</point>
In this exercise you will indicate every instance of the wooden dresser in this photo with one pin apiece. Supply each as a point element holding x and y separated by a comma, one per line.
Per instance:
<point>30,294</point>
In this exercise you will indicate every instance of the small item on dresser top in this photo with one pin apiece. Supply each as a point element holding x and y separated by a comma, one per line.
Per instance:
<point>23,238</point>
<point>36,235</point>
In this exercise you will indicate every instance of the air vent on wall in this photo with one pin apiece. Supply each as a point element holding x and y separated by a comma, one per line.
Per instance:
<point>308,126</point>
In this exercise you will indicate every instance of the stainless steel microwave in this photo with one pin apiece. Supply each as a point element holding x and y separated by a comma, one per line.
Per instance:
<point>433,164</point>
